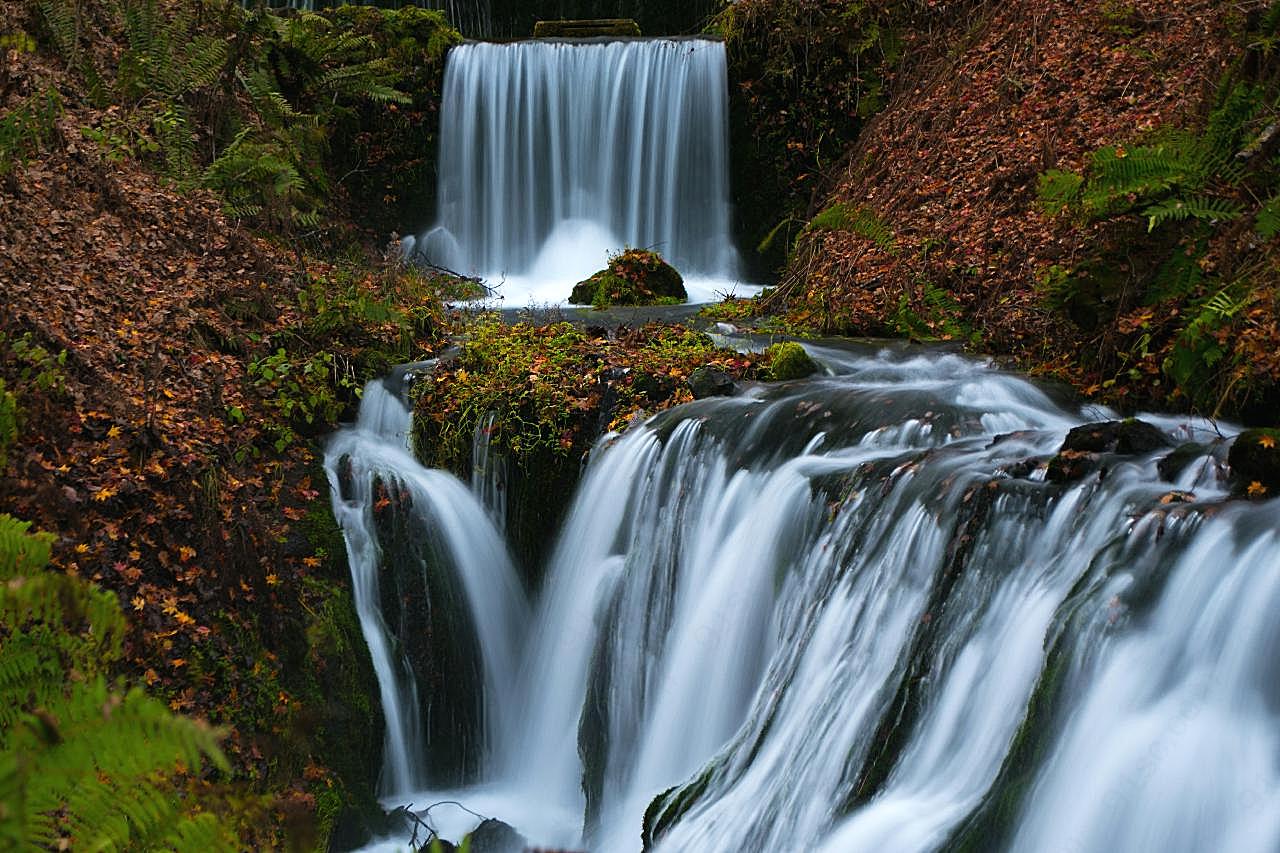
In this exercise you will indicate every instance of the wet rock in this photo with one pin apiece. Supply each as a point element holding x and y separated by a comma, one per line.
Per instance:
<point>494,836</point>
<point>346,481</point>
<point>1171,466</point>
<point>788,360</point>
<point>1086,447</point>
<point>711,382</point>
<point>1254,459</point>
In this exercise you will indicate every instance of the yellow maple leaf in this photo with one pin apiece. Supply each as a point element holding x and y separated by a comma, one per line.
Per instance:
<point>138,602</point>
<point>1256,489</point>
<point>1267,442</point>
<point>104,493</point>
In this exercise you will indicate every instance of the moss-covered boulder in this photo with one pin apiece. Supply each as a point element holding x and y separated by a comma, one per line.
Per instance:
<point>1086,447</point>
<point>634,277</point>
<point>788,360</point>
<point>1255,462</point>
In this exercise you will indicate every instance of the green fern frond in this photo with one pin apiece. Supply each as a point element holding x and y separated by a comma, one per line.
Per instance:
<point>362,81</point>
<point>8,425</point>
<point>62,20</point>
<point>1192,207</point>
<point>857,220</point>
<point>1059,191</point>
<point>1267,223</point>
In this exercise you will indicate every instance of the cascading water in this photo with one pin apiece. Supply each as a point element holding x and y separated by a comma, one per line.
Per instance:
<point>376,484</point>
<point>554,154</point>
<point>850,614</point>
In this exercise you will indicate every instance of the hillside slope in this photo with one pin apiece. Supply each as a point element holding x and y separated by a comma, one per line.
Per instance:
<point>938,226</point>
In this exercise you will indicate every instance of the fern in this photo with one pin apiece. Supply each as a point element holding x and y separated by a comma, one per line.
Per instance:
<point>84,763</point>
<point>1059,191</point>
<point>1267,222</point>
<point>8,426</point>
<point>854,219</point>
<point>63,22</point>
<point>1192,207</point>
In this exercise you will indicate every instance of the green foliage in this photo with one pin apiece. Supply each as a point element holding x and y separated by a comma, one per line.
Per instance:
<point>259,177</point>
<point>84,762</point>
<point>302,391</point>
<point>281,114</point>
<point>933,315</point>
<point>1267,222</point>
<point>27,128</point>
<point>63,23</point>
<point>1199,350</point>
<point>1177,177</point>
<point>855,219</point>
<point>326,90</point>
<point>36,367</point>
<point>8,422</point>
<point>1058,191</point>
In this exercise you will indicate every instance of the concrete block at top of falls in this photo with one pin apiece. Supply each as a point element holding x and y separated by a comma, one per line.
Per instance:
<point>619,27</point>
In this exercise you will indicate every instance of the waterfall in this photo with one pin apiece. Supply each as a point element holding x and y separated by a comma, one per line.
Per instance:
<point>849,613</point>
<point>554,154</point>
<point>377,486</point>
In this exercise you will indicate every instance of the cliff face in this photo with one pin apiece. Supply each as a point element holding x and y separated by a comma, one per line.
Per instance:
<point>940,224</point>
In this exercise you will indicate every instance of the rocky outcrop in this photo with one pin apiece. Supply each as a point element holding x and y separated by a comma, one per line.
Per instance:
<point>1087,447</point>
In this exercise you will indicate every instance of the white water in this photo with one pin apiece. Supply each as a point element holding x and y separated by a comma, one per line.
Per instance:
<point>554,155</point>
<point>376,449</point>
<point>743,586</point>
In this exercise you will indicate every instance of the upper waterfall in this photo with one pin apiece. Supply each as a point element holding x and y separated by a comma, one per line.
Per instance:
<point>554,154</point>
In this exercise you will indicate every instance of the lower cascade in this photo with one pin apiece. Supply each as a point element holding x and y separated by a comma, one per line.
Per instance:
<point>848,613</point>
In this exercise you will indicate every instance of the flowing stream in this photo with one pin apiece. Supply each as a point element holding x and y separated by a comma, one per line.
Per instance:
<point>844,614</point>
<point>555,154</point>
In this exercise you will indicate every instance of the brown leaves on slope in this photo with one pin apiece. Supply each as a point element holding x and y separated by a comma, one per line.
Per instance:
<point>951,164</point>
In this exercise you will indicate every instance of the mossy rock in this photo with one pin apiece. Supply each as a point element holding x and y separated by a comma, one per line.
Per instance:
<point>635,277</point>
<point>1255,462</point>
<point>788,360</point>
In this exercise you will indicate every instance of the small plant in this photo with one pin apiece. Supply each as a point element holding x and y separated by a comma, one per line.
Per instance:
<point>8,422</point>
<point>304,392</point>
<point>27,128</point>
<point>855,219</point>
<point>37,367</point>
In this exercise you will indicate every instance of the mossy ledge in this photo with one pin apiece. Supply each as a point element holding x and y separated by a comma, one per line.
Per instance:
<point>542,395</point>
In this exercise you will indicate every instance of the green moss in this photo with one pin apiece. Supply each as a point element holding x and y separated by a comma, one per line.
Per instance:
<point>542,395</point>
<point>788,360</point>
<point>634,277</point>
